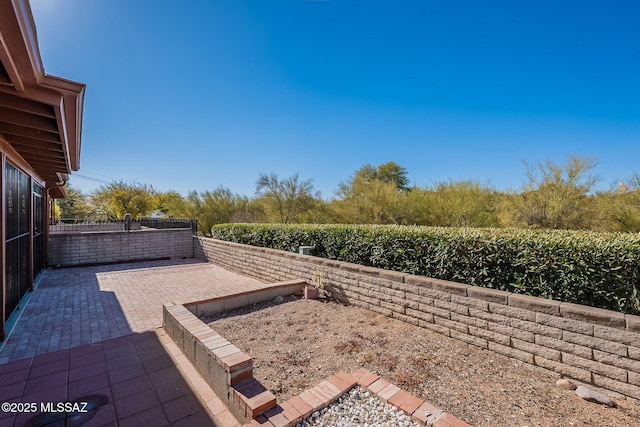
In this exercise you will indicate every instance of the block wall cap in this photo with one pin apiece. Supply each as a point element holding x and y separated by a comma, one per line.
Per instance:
<point>451,287</point>
<point>541,305</point>
<point>412,279</point>
<point>599,316</point>
<point>370,271</point>
<point>487,294</point>
<point>632,322</point>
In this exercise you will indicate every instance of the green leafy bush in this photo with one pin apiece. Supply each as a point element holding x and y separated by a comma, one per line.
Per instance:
<point>583,267</point>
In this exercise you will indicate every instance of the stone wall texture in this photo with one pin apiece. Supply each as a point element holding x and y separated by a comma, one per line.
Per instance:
<point>72,249</point>
<point>593,346</point>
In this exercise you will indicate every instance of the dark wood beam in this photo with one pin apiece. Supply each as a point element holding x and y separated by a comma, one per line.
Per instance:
<point>11,129</point>
<point>17,117</point>
<point>59,158</point>
<point>42,166</point>
<point>27,106</point>
<point>33,144</point>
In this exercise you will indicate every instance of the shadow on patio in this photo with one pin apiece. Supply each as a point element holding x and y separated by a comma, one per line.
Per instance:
<point>131,380</point>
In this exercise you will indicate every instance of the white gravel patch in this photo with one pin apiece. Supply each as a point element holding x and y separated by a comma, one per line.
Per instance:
<point>358,407</point>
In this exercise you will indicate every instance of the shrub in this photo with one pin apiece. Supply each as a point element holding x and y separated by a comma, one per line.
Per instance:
<point>583,267</point>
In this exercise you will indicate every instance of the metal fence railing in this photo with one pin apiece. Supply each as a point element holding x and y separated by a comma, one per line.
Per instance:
<point>162,223</point>
<point>84,225</point>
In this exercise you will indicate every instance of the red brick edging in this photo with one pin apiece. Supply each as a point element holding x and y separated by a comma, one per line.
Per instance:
<point>294,410</point>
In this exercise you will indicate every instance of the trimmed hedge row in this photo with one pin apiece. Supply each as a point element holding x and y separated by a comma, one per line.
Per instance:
<point>596,269</point>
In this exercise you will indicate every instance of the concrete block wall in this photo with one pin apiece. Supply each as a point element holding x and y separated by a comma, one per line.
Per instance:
<point>227,369</point>
<point>71,249</point>
<point>592,346</point>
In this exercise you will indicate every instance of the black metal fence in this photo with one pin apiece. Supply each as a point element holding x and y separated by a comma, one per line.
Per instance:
<point>86,224</point>
<point>162,223</point>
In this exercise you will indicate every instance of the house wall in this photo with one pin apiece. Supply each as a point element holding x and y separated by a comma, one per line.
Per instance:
<point>15,276</point>
<point>592,346</point>
<point>73,249</point>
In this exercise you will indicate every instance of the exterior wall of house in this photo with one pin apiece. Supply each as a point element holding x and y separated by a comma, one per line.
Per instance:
<point>592,346</point>
<point>20,229</point>
<point>73,249</point>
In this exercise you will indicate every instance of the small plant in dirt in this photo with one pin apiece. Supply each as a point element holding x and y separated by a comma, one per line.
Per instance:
<point>300,383</point>
<point>389,362</point>
<point>293,359</point>
<point>319,281</point>
<point>348,346</point>
<point>366,358</point>
<point>407,381</point>
<point>378,338</point>
<point>421,361</point>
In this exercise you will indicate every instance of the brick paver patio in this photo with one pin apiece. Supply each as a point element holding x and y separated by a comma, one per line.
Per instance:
<point>86,305</point>
<point>95,331</point>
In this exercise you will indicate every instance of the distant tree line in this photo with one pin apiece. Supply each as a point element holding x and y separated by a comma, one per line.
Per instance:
<point>554,196</point>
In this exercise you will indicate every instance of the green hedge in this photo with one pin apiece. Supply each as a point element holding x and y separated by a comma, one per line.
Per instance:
<point>597,269</point>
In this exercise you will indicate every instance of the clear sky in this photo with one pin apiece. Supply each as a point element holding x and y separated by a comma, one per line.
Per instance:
<point>191,95</point>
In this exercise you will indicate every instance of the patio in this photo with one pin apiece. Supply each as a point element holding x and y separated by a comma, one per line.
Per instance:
<point>96,331</point>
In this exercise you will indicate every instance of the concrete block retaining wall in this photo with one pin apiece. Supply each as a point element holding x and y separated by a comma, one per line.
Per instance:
<point>227,369</point>
<point>593,346</point>
<point>72,249</point>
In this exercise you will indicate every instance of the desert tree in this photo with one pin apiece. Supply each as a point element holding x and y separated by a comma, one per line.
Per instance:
<point>554,195</point>
<point>367,201</point>
<point>466,203</point>
<point>118,198</point>
<point>76,205</point>
<point>389,173</point>
<point>207,208</point>
<point>287,199</point>
<point>625,206</point>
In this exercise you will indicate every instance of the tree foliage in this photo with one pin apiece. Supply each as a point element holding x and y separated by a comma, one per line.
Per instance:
<point>76,205</point>
<point>286,199</point>
<point>368,201</point>
<point>555,196</point>
<point>389,173</point>
<point>118,198</point>
<point>626,206</point>
<point>461,204</point>
<point>208,208</point>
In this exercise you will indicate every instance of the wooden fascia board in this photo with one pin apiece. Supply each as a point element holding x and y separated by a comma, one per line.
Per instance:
<point>20,43</point>
<point>29,36</point>
<point>22,58</point>
<point>71,112</point>
<point>10,65</point>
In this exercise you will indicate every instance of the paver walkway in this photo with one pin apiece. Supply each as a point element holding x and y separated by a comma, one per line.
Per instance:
<point>86,305</point>
<point>94,333</point>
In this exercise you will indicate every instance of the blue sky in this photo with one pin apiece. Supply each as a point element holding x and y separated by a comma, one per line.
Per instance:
<point>197,94</point>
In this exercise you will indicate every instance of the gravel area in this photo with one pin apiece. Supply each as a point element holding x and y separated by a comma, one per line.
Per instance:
<point>359,408</point>
<point>297,343</point>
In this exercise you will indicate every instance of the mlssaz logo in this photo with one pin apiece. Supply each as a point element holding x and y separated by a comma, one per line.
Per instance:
<point>67,407</point>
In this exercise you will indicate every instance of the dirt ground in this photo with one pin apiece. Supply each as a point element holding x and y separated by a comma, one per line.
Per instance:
<point>297,343</point>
